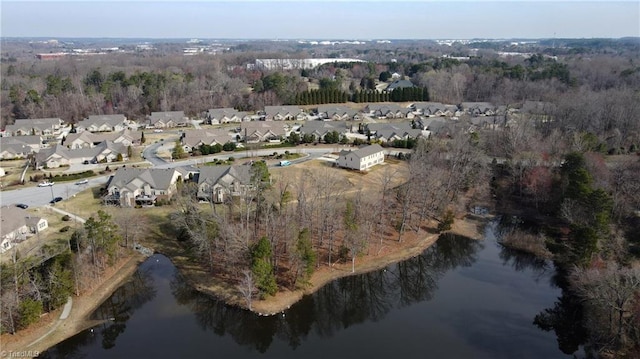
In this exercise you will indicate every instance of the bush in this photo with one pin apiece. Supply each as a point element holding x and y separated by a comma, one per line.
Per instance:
<point>66,218</point>
<point>343,253</point>
<point>447,222</point>
<point>65,229</point>
<point>30,311</point>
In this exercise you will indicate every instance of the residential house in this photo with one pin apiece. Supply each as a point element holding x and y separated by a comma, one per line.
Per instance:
<point>87,139</point>
<point>284,113</point>
<point>167,119</point>
<point>14,151</point>
<point>260,131</point>
<point>436,109</point>
<point>17,225</point>
<point>478,108</point>
<point>102,123</point>
<point>397,84</point>
<point>192,139</point>
<point>337,113</point>
<point>320,128</point>
<point>216,116</point>
<point>388,111</point>
<point>361,159</point>
<point>19,146</point>
<point>37,126</point>
<point>439,127</point>
<point>130,187</point>
<point>219,183</point>
<point>59,155</point>
<point>387,132</point>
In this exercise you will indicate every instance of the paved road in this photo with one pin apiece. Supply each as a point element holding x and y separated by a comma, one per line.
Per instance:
<point>64,315</point>
<point>40,196</point>
<point>150,153</point>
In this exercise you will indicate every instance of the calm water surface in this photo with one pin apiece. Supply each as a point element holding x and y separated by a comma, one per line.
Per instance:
<point>459,299</point>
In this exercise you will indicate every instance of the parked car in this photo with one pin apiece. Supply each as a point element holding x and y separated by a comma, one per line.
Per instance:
<point>45,184</point>
<point>57,199</point>
<point>84,181</point>
<point>22,205</point>
<point>157,130</point>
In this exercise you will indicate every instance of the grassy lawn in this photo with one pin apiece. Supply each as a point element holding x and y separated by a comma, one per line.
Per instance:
<point>50,237</point>
<point>13,169</point>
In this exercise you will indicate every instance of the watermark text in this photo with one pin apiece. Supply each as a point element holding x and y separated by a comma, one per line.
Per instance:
<point>19,353</point>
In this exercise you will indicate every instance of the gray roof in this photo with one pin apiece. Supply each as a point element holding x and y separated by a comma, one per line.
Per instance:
<point>213,174</point>
<point>399,84</point>
<point>282,110</point>
<point>82,153</point>
<point>175,116</point>
<point>367,150</point>
<point>39,123</point>
<point>16,148</point>
<point>158,178</point>
<point>430,108</point>
<point>11,218</point>
<point>387,133</point>
<point>100,136</point>
<point>331,110</point>
<point>433,124</point>
<point>385,108</point>
<point>217,113</point>
<point>397,126</point>
<point>277,128</point>
<point>322,127</point>
<point>111,120</point>
<point>480,107</point>
<point>23,140</point>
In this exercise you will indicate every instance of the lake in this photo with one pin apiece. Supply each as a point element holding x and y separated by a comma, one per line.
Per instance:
<point>460,298</point>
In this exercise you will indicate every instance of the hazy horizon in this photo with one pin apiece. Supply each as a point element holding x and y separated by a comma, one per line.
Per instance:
<point>333,20</point>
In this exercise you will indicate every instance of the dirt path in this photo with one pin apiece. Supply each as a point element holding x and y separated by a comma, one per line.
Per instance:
<point>50,331</point>
<point>61,324</point>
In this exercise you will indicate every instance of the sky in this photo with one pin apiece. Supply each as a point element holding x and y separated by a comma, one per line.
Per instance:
<point>330,20</point>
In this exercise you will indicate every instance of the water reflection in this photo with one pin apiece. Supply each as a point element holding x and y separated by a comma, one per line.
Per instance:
<point>338,305</point>
<point>479,301</point>
<point>112,315</point>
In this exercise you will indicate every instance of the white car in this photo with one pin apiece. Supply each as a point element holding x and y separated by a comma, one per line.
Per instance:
<point>45,184</point>
<point>84,181</point>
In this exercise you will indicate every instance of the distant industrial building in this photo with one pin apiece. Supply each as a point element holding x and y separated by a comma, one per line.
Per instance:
<point>295,64</point>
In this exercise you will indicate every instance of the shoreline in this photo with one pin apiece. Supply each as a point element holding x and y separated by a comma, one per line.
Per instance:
<point>85,304</point>
<point>281,301</point>
<point>36,340</point>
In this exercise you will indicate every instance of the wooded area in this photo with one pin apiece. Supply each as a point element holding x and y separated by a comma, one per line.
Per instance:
<point>569,165</point>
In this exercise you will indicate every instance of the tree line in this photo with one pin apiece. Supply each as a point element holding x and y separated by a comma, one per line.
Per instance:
<point>35,284</point>
<point>276,234</point>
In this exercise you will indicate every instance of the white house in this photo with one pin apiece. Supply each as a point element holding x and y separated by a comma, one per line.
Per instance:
<point>16,225</point>
<point>362,158</point>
